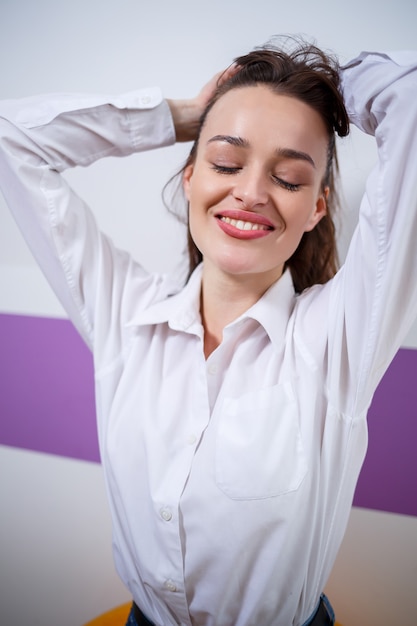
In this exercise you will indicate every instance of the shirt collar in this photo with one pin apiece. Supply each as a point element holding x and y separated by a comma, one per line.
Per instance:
<point>182,310</point>
<point>274,309</point>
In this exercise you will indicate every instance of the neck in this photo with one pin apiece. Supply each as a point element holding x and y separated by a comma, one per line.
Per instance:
<point>226,297</point>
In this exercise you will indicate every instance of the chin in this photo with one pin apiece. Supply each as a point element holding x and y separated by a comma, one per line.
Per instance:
<point>244,270</point>
<point>235,266</point>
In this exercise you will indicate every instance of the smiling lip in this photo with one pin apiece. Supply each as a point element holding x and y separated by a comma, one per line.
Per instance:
<point>244,224</point>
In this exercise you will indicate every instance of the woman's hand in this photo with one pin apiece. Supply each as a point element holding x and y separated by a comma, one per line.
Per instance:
<point>186,114</point>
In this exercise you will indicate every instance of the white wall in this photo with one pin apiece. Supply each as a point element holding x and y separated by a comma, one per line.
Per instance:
<point>55,562</point>
<point>56,566</point>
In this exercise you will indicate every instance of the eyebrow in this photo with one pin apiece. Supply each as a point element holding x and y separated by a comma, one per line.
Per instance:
<point>234,141</point>
<point>284,153</point>
<point>289,153</point>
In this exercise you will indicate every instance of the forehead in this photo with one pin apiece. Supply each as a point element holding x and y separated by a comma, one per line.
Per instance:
<point>264,118</point>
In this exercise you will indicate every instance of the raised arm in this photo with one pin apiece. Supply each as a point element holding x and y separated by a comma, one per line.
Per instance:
<point>374,297</point>
<point>39,138</point>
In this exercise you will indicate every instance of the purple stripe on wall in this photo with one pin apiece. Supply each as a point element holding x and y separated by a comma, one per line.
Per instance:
<point>47,404</point>
<point>46,388</point>
<point>388,480</point>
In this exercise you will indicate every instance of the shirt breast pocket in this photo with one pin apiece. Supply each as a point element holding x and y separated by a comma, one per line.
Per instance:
<point>259,449</point>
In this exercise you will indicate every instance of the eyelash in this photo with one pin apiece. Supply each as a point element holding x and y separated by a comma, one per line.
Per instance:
<point>286,185</point>
<point>223,169</point>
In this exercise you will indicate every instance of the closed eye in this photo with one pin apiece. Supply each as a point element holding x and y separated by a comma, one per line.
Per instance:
<point>285,184</point>
<point>225,169</point>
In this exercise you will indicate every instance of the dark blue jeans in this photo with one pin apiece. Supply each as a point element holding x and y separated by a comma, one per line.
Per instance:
<point>131,619</point>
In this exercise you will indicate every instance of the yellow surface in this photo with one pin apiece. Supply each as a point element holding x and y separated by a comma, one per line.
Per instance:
<point>118,617</point>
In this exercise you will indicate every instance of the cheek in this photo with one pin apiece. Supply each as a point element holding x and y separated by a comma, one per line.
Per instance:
<point>205,189</point>
<point>297,216</point>
<point>196,214</point>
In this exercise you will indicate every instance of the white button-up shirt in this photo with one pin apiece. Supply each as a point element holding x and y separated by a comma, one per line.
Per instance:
<point>230,479</point>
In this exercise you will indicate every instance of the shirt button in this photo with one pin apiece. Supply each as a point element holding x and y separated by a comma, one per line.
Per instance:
<point>145,100</point>
<point>170,585</point>
<point>191,439</point>
<point>166,515</point>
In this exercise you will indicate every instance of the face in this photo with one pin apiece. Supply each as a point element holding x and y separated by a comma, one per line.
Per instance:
<point>256,183</point>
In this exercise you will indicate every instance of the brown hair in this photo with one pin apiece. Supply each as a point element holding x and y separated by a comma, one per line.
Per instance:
<point>304,72</point>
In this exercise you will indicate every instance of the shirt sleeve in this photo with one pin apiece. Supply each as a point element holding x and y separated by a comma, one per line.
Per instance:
<point>42,136</point>
<point>373,298</point>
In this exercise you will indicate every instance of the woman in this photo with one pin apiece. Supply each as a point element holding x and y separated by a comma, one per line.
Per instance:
<point>232,411</point>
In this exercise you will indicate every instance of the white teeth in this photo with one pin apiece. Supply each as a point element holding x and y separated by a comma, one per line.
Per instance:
<point>241,225</point>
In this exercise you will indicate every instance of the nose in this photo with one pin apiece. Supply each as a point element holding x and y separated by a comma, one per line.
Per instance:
<point>251,187</point>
